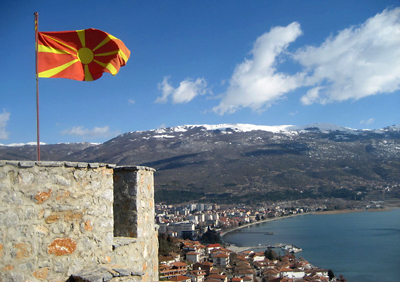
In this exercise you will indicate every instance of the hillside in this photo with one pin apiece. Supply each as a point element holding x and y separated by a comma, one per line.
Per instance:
<point>248,163</point>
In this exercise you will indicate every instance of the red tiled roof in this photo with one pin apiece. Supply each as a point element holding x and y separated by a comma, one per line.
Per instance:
<point>221,256</point>
<point>178,264</point>
<point>213,246</point>
<point>217,276</point>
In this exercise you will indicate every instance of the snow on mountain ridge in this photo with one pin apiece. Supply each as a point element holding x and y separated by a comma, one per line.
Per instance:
<point>242,127</point>
<point>237,127</point>
<point>326,127</point>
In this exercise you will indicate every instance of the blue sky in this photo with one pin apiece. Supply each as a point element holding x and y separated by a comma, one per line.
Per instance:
<point>206,62</point>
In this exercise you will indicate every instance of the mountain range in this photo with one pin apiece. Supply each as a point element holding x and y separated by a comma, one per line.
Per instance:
<point>248,163</point>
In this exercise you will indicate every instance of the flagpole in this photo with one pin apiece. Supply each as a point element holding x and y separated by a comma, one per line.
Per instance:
<point>37,86</point>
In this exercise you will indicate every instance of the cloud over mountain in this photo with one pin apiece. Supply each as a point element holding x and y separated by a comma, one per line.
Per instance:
<point>92,133</point>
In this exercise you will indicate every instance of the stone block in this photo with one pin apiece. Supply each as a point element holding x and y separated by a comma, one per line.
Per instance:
<point>25,177</point>
<point>41,273</point>
<point>62,246</point>
<point>58,179</point>
<point>42,196</point>
<point>9,218</point>
<point>26,164</point>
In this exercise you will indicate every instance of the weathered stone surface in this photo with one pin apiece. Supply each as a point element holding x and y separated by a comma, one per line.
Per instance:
<point>62,180</point>
<point>88,225</point>
<point>70,216</point>
<point>61,246</point>
<point>71,164</point>
<point>25,164</point>
<point>123,241</point>
<point>9,218</point>
<point>49,164</point>
<point>94,165</point>
<point>23,250</point>
<point>42,196</point>
<point>59,218</point>
<point>41,273</point>
<point>26,177</point>
<point>103,273</point>
<point>52,218</point>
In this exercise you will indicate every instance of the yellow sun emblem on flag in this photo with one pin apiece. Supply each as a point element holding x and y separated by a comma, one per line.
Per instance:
<point>81,55</point>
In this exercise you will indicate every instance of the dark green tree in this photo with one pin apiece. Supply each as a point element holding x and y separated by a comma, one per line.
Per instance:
<point>270,254</point>
<point>331,275</point>
<point>210,237</point>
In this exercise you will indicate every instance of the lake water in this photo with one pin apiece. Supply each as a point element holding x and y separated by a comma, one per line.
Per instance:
<point>362,246</point>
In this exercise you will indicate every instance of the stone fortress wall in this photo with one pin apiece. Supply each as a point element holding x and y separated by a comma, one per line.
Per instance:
<point>76,221</point>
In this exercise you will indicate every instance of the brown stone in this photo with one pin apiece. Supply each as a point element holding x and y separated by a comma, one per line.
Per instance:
<point>71,216</point>
<point>61,195</point>
<point>41,273</point>
<point>22,250</point>
<point>8,267</point>
<point>42,196</point>
<point>61,246</point>
<point>108,259</point>
<point>52,218</point>
<point>88,225</point>
<point>41,214</point>
<point>1,250</point>
<point>144,266</point>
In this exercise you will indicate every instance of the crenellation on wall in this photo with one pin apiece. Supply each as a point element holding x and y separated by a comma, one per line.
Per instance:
<point>56,218</point>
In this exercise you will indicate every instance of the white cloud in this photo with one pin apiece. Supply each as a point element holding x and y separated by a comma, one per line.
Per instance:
<point>256,83</point>
<point>4,117</point>
<point>131,101</point>
<point>369,121</point>
<point>187,90</point>
<point>358,62</point>
<point>96,132</point>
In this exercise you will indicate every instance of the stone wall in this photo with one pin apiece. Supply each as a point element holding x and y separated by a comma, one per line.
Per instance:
<point>134,218</point>
<point>57,221</point>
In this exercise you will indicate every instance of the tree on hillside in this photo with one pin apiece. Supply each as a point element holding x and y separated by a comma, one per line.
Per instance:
<point>166,245</point>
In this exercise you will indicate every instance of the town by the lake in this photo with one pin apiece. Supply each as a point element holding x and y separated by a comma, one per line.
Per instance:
<point>192,246</point>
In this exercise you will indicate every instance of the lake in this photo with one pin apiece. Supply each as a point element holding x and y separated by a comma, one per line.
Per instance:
<point>362,246</point>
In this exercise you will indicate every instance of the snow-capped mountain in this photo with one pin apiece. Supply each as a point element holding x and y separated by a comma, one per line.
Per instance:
<point>232,162</point>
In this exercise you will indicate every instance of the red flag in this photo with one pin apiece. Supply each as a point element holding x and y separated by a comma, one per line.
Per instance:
<point>80,55</point>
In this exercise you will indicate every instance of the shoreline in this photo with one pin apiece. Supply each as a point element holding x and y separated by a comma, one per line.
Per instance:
<point>261,221</point>
<point>350,211</point>
<point>344,211</point>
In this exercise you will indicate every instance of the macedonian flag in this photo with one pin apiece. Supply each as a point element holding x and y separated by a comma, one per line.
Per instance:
<point>80,54</point>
